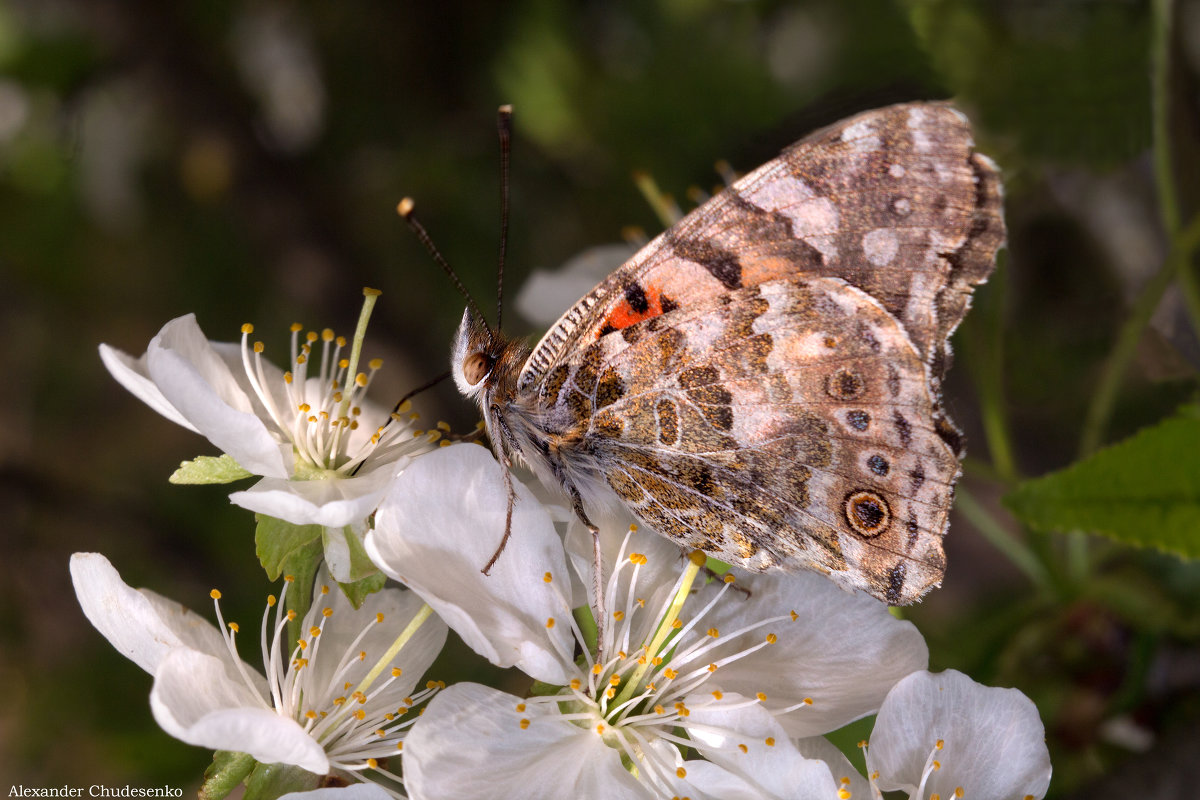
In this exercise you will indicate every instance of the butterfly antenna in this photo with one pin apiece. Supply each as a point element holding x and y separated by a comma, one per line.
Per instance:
<point>504,126</point>
<point>405,210</point>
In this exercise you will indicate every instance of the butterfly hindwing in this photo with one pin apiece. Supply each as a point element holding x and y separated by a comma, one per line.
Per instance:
<point>729,425</point>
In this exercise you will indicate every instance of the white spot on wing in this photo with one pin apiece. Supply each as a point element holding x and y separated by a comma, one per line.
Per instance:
<point>880,246</point>
<point>861,136</point>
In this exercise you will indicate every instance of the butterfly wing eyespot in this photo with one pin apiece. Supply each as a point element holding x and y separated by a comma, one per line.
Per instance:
<point>475,368</point>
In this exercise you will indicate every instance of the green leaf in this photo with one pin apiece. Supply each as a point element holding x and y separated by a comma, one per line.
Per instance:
<point>1144,491</point>
<point>209,469</point>
<point>295,550</point>
<point>357,591</point>
<point>226,771</point>
<point>272,781</point>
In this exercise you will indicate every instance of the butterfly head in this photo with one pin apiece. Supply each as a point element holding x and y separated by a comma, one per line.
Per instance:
<point>483,360</point>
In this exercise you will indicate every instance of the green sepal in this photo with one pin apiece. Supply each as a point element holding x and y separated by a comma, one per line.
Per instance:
<point>223,775</point>
<point>272,781</point>
<point>1143,491</point>
<point>295,550</point>
<point>209,469</point>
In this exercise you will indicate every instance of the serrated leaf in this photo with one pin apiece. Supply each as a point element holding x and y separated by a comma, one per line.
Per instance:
<point>209,469</point>
<point>1144,491</point>
<point>223,775</point>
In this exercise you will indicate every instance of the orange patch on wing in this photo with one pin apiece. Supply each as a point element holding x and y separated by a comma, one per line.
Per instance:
<point>624,314</point>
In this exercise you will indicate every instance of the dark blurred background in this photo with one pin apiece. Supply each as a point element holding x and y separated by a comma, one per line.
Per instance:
<point>243,160</point>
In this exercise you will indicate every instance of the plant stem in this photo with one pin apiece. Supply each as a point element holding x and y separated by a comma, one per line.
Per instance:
<point>1015,550</point>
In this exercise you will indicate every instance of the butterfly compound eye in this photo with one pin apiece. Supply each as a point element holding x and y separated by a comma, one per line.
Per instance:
<point>475,367</point>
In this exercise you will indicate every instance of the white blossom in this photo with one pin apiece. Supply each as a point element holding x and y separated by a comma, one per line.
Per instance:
<point>337,702</point>
<point>677,655</point>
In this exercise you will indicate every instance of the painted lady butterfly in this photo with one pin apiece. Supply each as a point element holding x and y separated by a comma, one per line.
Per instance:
<point>762,381</point>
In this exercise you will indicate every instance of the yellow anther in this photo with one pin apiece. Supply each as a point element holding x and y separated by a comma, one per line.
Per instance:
<point>550,622</point>
<point>729,578</point>
<point>937,764</point>
<point>808,701</point>
<point>770,741</point>
<point>296,327</point>
<point>247,328</point>
<point>575,684</point>
<point>670,674</point>
<point>524,724</point>
<point>610,692</point>
<point>302,644</point>
<point>677,624</point>
<point>597,669</point>
<point>712,667</point>
<point>548,577</point>
<point>291,614</point>
<point>520,708</point>
<point>344,363</point>
<point>762,697</point>
<point>618,615</point>
<point>600,729</point>
<point>397,672</point>
<point>314,631</point>
<point>713,632</point>
<point>360,379</point>
<point>795,616</point>
<point>310,714</point>
<point>259,347</point>
<point>717,694</point>
<point>443,426</point>
<point>659,710</point>
<point>311,336</point>
<point>681,773</point>
<point>399,745</point>
<point>233,626</point>
<point>637,558</point>
<point>743,748</point>
<point>958,791</point>
<point>698,558</point>
<point>271,601</point>
<point>633,527</point>
<point>379,617</point>
<point>215,594</point>
<point>843,794</point>
<point>372,763</point>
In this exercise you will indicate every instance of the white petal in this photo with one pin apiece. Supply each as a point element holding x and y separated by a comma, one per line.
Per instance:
<point>131,373</point>
<point>196,380</point>
<point>398,607</point>
<point>469,744</point>
<point>844,773</point>
<point>140,624</point>
<point>357,791</point>
<point>437,528</point>
<point>333,502</point>
<point>993,740</point>
<point>777,769</point>
<point>195,701</point>
<point>664,559</point>
<point>843,650</point>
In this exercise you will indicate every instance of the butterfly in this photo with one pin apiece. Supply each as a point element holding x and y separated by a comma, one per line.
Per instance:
<point>762,381</point>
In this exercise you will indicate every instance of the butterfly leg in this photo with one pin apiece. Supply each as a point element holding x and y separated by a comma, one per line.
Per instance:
<point>597,569</point>
<point>501,453</point>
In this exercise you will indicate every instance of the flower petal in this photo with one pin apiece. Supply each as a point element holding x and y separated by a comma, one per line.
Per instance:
<point>142,625</point>
<point>993,740</point>
<point>437,528</point>
<point>768,761</point>
<point>842,650</point>
<point>199,384</point>
<point>132,373</point>
<point>195,701</point>
<point>469,743</point>
<point>357,791</point>
<point>844,773</point>
<point>397,607</point>
<point>333,502</point>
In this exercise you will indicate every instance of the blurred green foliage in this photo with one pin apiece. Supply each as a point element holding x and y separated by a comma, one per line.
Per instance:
<point>242,160</point>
